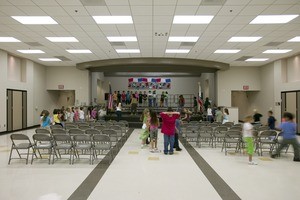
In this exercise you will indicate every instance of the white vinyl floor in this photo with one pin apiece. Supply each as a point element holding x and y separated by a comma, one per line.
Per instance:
<point>137,174</point>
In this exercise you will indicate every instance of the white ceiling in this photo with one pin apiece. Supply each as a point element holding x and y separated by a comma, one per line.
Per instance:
<point>149,16</point>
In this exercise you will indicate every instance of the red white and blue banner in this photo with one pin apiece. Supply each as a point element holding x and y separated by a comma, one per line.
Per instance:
<point>149,83</point>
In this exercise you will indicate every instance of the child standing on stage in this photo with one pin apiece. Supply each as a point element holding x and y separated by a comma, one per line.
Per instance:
<point>248,138</point>
<point>154,124</point>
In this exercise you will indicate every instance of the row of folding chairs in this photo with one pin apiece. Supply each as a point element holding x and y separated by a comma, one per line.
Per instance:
<point>86,125</point>
<point>265,140</point>
<point>60,144</point>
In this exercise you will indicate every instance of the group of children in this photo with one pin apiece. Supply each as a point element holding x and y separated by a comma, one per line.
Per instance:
<point>170,129</point>
<point>287,128</point>
<point>142,98</point>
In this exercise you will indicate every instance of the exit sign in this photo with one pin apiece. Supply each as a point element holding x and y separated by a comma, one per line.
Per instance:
<point>61,87</point>
<point>246,87</point>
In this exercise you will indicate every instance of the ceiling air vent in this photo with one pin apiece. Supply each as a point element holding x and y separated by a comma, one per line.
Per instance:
<point>187,44</point>
<point>212,2</point>
<point>118,44</point>
<point>33,44</point>
<point>93,2</point>
<point>273,44</point>
<point>243,58</point>
<point>62,58</point>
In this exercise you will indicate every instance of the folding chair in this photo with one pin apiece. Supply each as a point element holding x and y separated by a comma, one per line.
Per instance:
<point>76,131</point>
<point>58,131</point>
<point>42,131</point>
<point>70,126</point>
<point>101,144</point>
<point>100,127</point>
<point>63,142</point>
<point>228,124</point>
<point>92,132</point>
<point>232,140</point>
<point>118,129</point>
<point>83,126</point>
<point>192,133</point>
<point>83,143</point>
<point>20,142</point>
<point>219,135</point>
<point>205,135</point>
<point>263,128</point>
<point>236,128</point>
<point>113,135</point>
<point>56,126</point>
<point>193,122</point>
<point>269,139</point>
<point>42,142</point>
<point>123,126</point>
<point>213,125</point>
<point>126,124</point>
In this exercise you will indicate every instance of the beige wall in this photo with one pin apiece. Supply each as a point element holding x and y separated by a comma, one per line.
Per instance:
<point>233,80</point>
<point>72,79</point>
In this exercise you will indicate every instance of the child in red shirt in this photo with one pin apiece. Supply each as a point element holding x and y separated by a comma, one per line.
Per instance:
<point>168,129</point>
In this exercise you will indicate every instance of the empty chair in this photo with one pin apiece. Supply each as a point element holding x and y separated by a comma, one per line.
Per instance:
<point>236,128</point>
<point>256,126</point>
<point>122,125</point>
<point>108,124</point>
<point>63,142</point>
<point>118,129</point>
<point>100,127</point>
<point>113,135</point>
<point>83,126</point>
<point>192,133</point>
<point>267,140</point>
<point>219,135</point>
<point>112,122</point>
<point>20,142</point>
<point>70,126</point>
<point>101,122</point>
<point>237,125</point>
<point>58,131</point>
<point>42,131</point>
<point>101,145</point>
<point>232,140</point>
<point>205,135</point>
<point>56,126</point>
<point>126,124</point>
<point>228,124</point>
<point>42,142</point>
<point>92,132</point>
<point>213,125</point>
<point>193,122</point>
<point>76,131</point>
<point>82,144</point>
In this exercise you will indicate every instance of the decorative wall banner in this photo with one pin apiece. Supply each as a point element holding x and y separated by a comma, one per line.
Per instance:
<point>149,83</point>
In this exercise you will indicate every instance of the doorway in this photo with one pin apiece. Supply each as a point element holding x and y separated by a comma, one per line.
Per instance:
<point>16,109</point>
<point>290,102</point>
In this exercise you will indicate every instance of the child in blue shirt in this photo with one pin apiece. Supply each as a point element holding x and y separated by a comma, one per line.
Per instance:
<point>288,129</point>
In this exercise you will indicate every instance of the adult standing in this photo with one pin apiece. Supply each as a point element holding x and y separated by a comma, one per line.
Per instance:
<point>168,129</point>
<point>206,103</point>
<point>134,103</point>
<point>128,98</point>
<point>119,112</point>
<point>166,99</point>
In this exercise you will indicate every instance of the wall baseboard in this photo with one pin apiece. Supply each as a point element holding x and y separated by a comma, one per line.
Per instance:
<point>29,127</point>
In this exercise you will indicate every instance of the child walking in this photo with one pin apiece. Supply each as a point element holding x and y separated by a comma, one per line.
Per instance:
<point>288,128</point>
<point>154,124</point>
<point>248,138</point>
<point>146,126</point>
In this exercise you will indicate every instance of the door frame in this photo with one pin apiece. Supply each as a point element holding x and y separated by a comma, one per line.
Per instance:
<point>24,108</point>
<point>283,104</point>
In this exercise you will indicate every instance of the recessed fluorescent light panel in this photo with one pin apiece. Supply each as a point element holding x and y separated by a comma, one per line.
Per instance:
<point>227,51</point>
<point>244,39</point>
<point>50,59</point>
<point>277,51</point>
<point>30,51</point>
<point>295,39</point>
<point>257,59</point>
<point>128,51</point>
<point>273,19</point>
<point>9,39</point>
<point>62,39</point>
<point>113,19</point>
<point>122,39</point>
<point>177,50</point>
<point>42,20</point>
<point>183,39</point>
<point>78,51</point>
<point>192,19</point>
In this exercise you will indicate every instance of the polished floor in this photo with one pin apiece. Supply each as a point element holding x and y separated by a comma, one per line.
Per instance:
<point>137,174</point>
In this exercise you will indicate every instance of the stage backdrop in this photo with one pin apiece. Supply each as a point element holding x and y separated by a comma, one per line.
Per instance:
<point>149,83</point>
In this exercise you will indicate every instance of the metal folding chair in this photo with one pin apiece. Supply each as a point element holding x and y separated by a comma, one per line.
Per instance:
<point>232,140</point>
<point>101,145</point>
<point>267,140</point>
<point>206,136</point>
<point>42,142</point>
<point>20,142</point>
<point>82,143</point>
<point>63,142</point>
